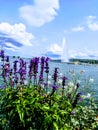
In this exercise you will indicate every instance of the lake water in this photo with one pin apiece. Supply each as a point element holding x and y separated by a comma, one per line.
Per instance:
<point>83,72</point>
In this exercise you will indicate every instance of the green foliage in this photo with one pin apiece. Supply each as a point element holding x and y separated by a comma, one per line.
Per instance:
<point>28,109</point>
<point>84,118</point>
<point>32,102</point>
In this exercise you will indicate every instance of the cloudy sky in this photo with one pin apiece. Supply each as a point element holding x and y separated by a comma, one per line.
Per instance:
<point>38,27</point>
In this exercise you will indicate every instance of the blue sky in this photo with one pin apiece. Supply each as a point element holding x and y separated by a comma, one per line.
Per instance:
<point>38,27</point>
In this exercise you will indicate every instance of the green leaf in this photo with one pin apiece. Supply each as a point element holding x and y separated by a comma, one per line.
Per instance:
<point>55,125</point>
<point>21,113</point>
<point>46,108</point>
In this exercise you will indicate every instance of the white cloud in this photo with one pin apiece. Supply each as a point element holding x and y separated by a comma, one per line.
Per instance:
<point>55,48</point>
<point>93,26</point>
<point>11,45</point>
<point>78,29</point>
<point>77,54</point>
<point>72,53</point>
<point>43,11</point>
<point>91,17</point>
<point>17,32</point>
<point>85,54</point>
<point>92,23</point>
<point>10,49</point>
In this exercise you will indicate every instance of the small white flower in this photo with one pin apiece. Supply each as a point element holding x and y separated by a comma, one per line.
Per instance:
<point>49,77</point>
<point>60,81</point>
<point>66,87</point>
<point>71,84</point>
<point>91,80</point>
<point>61,74</point>
<point>75,87</point>
<point>42,85</point>
<point>48,92</point>
<point>25,82</point>
<point>71,90</point>
<point>49,82</point>
<point>87,96</point>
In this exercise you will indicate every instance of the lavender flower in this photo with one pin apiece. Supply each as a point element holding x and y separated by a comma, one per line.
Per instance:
<point>16,78</point>
<point>70,97</point>
<point>42,63</point>
<point>77,98</point>
<point>54,87</point>
<point>15,66</point>
<point>36,61</point>
<point>45,84</point>
<point>33,68</point>
<point>22,71</point>
<point>55,76</point>
<point>7,59</point>
<point>47,65</point>
<point>2,53</point>
<point>15,69</point>
<point>64,81</point>
<point>78,85</point>
<point>5,70</point>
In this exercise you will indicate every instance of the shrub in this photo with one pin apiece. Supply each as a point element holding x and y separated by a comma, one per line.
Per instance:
<point>29,101</point>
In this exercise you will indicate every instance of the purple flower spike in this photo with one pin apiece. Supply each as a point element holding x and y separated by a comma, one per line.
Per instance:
<point>47,59</point>
<point>33,68</point>
<point>80,93</point>
<point>70,97</point>
<point>42,64</point>
<point>2,53</point>
<point>78,85</point>
<point>78,97</point>
<point>45,84</point>
<point>16,79</point>
<point>64,81</point>
<point>36,61</point>
<point>54,87</point>
<point>47,65</point>
<point>15,66</point>
<point>7,59</point>
<point>22,70</point>
<point>55,76</point>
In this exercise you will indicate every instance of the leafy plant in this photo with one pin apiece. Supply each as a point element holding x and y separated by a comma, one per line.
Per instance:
<point>29,102</point>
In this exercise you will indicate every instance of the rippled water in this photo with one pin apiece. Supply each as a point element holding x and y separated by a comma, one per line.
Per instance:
<point>84,72</point>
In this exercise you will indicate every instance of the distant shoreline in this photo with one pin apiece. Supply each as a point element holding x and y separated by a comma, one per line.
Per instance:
<point>77,61</point>
<point>71,60</point>
<point>87,61</point>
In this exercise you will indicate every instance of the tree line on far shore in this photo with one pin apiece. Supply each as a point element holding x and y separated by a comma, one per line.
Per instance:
<point>90,61</point>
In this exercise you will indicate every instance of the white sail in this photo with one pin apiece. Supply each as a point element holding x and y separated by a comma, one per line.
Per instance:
<point>64,56</point>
